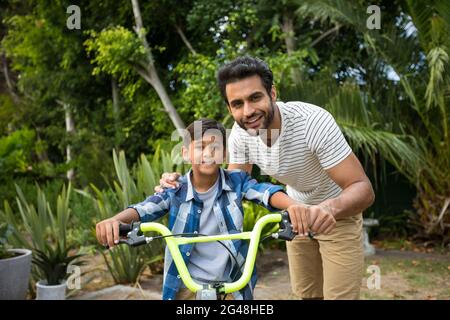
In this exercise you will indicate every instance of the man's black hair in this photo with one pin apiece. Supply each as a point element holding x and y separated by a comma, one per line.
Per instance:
<point>244,67</point>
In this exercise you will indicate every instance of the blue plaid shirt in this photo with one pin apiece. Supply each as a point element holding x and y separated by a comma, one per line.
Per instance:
<point>184,208</point>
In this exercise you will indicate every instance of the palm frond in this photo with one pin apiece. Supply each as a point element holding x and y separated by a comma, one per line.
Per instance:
<point>399,150</point>
<point>421,13</point>
<point>338,11</point>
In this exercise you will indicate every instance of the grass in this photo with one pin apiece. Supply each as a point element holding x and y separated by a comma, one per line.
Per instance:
<point>424,276</point>
<point>408,245</point>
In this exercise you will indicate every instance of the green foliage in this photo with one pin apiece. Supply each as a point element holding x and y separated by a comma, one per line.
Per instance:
<point>132,186</point>
<point>367,133</point>
<point>16,151</point>
<point>42,228</point>
<point>221,23</point>
<point>253,212</point>
<point>395,225</point>
<point>81,232</point>
<point>9,115</point>
<point>49,67</point>
<point>19,152</point>
<point>53,263</point>
<point>116,51</point>
<point>282,65</point>
<point>5,231</point>
<point>45,56</point>
<point>200,97</point>
<point>126,264</point>
<point>92,158</point>
<point>144,124</point>
<point>420,62</point>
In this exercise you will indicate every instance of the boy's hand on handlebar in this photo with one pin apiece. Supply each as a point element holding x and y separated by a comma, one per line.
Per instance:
<point>299,221</point>
<point>108,232</point>
<point>168,180</point>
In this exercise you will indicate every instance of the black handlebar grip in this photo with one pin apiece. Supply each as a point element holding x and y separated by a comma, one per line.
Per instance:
<point>289,232</point>
<point>124,229</point>
<point>286,232</point>
<point>286,216</point>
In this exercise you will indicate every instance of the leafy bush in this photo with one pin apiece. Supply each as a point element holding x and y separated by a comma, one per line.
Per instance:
<point>53,263</point>
<point>126,264</point>
<point>42,228</point>
<point>253,212</point>
<point>115,48</point>
<point>15,152</point>
<point>82,232</point>
<point>5,230</point>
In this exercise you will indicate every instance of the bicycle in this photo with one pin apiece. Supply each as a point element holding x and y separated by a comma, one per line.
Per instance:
<point>133,235</point>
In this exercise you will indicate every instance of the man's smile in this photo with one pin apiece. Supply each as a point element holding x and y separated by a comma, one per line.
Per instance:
<point>253,122</point>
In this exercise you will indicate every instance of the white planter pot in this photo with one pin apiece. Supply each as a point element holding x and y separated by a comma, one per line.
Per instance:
<point>46,292</point>
<point>14,275</point>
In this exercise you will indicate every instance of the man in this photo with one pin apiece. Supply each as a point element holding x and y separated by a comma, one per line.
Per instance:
<point>300,145</point>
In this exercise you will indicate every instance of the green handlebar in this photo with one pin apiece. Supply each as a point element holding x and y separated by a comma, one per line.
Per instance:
<point>174,242</point>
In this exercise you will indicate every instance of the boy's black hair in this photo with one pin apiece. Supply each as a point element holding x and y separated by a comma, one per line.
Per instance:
<point>206,124</point>
<point>244,67</point>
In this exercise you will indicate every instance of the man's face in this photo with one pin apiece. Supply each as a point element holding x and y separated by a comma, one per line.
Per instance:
<point>250,104</point>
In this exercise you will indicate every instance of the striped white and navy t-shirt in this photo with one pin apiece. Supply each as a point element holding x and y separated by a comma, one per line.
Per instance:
<point>310,141</point>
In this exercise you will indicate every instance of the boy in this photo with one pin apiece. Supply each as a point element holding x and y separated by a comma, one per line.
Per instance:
<point>207,201</point>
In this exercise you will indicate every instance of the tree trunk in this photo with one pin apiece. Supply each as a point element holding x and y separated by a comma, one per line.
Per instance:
<point>289,34</point>
<point>70,129</point>
<point>116,112</point>
<point>150,74</point>
<point>40,153</point>
<point>185,40</point>
<point>8,81</point>
<point>289,39</point>
<point>325,34</point>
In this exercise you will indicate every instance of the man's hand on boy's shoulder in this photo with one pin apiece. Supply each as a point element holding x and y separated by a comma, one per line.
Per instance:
<point>168,180</point>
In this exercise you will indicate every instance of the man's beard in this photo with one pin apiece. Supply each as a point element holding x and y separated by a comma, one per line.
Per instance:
<point>268,118</point>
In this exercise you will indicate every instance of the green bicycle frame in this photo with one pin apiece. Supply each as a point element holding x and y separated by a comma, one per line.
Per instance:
<point>174,242</point>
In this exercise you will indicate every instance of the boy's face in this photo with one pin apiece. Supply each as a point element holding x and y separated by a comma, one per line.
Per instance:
<point>205,155</point>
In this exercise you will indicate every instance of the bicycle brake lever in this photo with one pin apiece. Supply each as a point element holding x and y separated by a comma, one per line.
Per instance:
<point>134,237</point>
<point>286,232</point>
